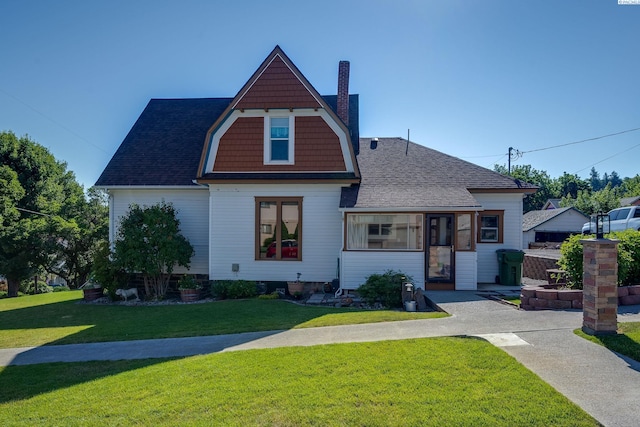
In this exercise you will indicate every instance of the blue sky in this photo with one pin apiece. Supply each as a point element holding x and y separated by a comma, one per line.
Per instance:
<point>466,77</point>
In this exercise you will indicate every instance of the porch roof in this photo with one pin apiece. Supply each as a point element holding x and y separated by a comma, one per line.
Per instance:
<point>402,174</point>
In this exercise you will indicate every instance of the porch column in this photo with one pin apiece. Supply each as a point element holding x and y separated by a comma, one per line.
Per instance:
<point>600,286</point>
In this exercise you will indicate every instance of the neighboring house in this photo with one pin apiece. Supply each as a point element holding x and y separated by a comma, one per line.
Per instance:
<point>276,182</point>
<point>551,226</point>
<point>630,201</point>
<point>551,204</point>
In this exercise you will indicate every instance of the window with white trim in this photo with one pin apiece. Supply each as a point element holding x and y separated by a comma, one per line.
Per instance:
<point>278,139</point>
<point>490,225</point>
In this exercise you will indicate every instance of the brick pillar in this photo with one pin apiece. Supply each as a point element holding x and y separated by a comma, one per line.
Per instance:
<point>600,286</point>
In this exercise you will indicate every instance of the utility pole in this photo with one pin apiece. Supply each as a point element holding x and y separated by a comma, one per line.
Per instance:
<point>509,161</point>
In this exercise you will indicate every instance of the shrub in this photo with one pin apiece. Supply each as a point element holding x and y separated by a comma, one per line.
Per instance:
<point>385,288</point>
<point>188,282</point>
<point>571,254</point>
<point>571,260</point>
<point>272,295</point>
<point>27,287</point>
<point>105,272</point>
<point>629,262</point>
<point>61,288</point>
<point>149,242</point>
<point>233,289</point>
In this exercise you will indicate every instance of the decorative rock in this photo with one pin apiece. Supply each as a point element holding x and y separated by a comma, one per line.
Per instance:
<point>421,300</point>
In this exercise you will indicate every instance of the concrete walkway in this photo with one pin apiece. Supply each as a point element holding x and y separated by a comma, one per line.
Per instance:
<point>603,383</point>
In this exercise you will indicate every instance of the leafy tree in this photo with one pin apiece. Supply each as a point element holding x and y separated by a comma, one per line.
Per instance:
<point>590,203</point>
<point>614,180</point>
<point>526,173</point>
<point>594,180</point>
<point>76,240</point>
<point>31,204</point>
<point>630,187</point>
<point>149,242</point>
<point>570,184</point>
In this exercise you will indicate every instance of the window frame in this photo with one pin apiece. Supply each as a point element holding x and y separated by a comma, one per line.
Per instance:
<point>392,233</point>
<point>499,228</point>
<point>259,225</point>
<point>458,238</point>
<point>268,140</point>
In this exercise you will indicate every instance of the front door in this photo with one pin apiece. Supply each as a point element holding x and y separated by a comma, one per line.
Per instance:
<point>440,250</point>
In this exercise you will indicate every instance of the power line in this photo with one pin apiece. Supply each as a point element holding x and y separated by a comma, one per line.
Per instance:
<point>581,141</point>
<point>52,120</point>
<point>519,153</point>
<point>610,157</point>
<point>494,163</point>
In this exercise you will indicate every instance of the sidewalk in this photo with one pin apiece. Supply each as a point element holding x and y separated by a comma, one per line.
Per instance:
<point>603,383</point>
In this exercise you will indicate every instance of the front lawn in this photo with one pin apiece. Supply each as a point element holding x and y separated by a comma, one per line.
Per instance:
<point>626,342</point>
<point>426,382</point>
<point>60,318</point>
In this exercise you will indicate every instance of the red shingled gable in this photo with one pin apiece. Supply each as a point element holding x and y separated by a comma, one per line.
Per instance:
<point>277,87</point>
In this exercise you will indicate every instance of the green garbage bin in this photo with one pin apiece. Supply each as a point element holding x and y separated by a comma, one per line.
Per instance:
<point>510,266</point>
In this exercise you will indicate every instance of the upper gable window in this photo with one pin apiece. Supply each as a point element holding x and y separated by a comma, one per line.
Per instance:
<point>278,141</point>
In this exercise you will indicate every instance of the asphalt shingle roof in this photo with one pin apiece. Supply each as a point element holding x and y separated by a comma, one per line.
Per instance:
<point>628,201</point>
<point>402,174</point>
<point>164,146</point>
<point>532,219</point>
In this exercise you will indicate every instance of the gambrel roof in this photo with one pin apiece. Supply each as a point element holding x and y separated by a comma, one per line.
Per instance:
<point>165,145</point>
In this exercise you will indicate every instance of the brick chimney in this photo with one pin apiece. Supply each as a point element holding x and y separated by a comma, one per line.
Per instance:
<point>343,91</point>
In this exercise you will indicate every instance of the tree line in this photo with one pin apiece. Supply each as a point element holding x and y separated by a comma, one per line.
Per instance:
<point>48,223</point>
<point>594,194</point>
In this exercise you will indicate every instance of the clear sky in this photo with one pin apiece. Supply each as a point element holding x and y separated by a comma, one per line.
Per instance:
<point>467,77</point>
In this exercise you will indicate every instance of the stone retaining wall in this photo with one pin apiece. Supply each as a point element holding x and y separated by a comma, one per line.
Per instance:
<point>540,298</point>
<point>536,266</point>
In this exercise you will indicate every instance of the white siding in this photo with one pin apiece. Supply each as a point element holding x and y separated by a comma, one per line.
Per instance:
<point>233,226</point>
<point>192,207</point>
<point>466,271</point>
<point>357,265</point>
<point>511,203</point>
<point>569,221</point>
<point>528,237</point>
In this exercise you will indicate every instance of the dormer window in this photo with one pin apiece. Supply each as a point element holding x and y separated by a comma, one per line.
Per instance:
<point>278,147</point>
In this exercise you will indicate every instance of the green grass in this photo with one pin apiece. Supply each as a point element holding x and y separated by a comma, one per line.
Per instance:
<point>626,342</point>
<point>58,318</point>
<point>512,300</point>
<point>426,382</point>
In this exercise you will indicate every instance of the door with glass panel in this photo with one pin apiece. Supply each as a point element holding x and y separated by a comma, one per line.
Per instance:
<point>440,248</point>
